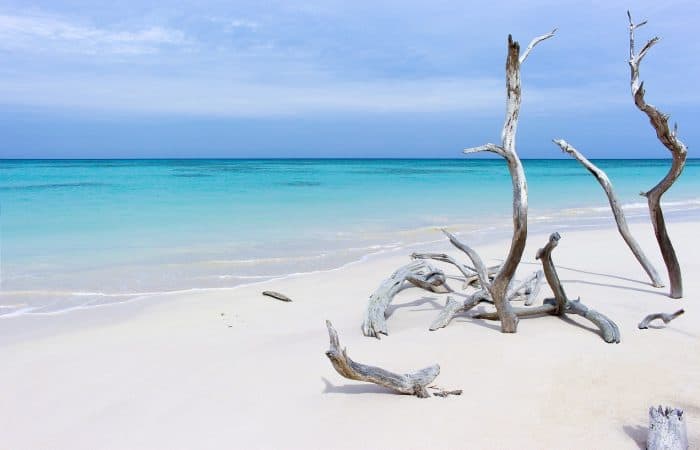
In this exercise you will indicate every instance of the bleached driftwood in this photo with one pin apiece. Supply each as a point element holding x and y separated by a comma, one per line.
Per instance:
<point>561,303</point>
<point>679,152</point>
<point>527,289</point>
<point>471,278</point>
<point>418,273</point>
<point>454,307</point>
<point>644,324</point>
<point>498,289</point>
<point>667,429</point>
<point>277,295</point>
<point>415,383</point>
<point>617,211</point>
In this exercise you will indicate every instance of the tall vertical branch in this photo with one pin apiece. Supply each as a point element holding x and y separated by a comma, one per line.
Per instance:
<point>617,211</point>
<point>679,152</point>
<point>499,286</point>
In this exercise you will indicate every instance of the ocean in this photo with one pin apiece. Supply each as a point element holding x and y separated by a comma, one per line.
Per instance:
<point>83,233</point>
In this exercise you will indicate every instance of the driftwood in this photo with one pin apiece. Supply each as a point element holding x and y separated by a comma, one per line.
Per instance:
<point>644,324</point>
<point>562,304</point>
<point>619,215</point>
<point>277,296</point>
<point>679,152</point>
<point>498,289</point>
<point>525,290</point>
<point>415,383</point>
<point>417,273</point>
<point>667,429</point>
<point>471,278</point>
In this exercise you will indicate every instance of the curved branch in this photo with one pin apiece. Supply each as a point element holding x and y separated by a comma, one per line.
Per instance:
<point>679,152</point>
<point>479,265</point>
<point>411,383</point>
<point>644,324</point>
<point>534,42</point>
<point>418,273</point>
<point>617,211</point>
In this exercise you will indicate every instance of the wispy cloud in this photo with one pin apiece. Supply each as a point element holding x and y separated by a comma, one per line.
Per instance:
<point>232,98</point>
<point>34,32</point>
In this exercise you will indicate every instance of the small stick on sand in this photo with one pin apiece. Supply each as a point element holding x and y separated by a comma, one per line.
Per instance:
<point>277,295</point>
<point>644,324</point>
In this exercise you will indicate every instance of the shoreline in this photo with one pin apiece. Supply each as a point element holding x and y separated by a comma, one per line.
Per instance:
<point>597,217</point>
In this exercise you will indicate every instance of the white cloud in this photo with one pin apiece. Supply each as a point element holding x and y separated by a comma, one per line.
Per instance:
<point>33,32</point>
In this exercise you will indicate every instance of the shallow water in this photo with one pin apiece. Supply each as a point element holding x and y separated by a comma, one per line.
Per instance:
<point>77,233</point>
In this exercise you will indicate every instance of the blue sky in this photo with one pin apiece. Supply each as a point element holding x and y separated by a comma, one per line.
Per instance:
<point>333,78</point>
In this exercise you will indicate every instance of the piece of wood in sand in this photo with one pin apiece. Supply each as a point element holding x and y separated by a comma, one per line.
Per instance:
<point>667,429</point>
<point>277,296</point>
<point>414,383</point>
<point>644,324</point>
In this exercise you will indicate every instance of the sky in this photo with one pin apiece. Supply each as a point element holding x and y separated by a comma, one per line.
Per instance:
<point>328,78</point>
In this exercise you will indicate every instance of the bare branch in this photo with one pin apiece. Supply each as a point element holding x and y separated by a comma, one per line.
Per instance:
<point>481,270</point>
<point>617,211</point>
<point>493,148</point>
<point>534,42</point>
<point>679,152</point>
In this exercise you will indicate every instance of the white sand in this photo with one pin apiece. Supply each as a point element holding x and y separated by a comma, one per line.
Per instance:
<point>170,373</point>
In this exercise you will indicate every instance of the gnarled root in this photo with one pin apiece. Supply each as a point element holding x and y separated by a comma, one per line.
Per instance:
<point>415,383</point>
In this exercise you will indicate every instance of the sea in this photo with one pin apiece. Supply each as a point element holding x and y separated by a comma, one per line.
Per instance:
<point>87,233</point>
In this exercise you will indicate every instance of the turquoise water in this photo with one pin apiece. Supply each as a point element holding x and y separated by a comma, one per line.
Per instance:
<point>77,233</point>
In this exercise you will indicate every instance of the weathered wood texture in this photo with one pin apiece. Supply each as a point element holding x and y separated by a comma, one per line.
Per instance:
<point>417,273</point>
<point>277,295</point>
<point>561,303</point>
<point>499,287</point>
<point>669,139</point>
<point>617,211</point>
<point>644,324</point>
<point>471,278</point>
<point>667,429</point>
<point>415,383</point>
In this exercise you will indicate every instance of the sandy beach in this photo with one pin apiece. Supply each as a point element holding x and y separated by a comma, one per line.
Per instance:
<point>233,369</point>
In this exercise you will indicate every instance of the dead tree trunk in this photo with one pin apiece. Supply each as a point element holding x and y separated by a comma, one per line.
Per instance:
<point>499,287</point>
<point>415,383</point>
<point>418,273</point>
<point>669,138</point>
<point>667,429</point>
<point>619,215</point>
